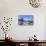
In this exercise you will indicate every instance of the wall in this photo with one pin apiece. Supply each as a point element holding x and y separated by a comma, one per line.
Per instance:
<point>13,8</point>
<point>45,28</point>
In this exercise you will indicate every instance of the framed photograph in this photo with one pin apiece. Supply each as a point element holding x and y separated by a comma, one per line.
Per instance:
<point>25,19</point>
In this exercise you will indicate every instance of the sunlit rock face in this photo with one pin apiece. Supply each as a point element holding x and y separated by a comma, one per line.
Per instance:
<point>35,3</point>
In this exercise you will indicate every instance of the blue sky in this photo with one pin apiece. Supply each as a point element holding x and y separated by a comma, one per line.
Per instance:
<point>25,17</point>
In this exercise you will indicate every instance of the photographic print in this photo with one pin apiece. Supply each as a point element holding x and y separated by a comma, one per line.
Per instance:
<point>25,20</point>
